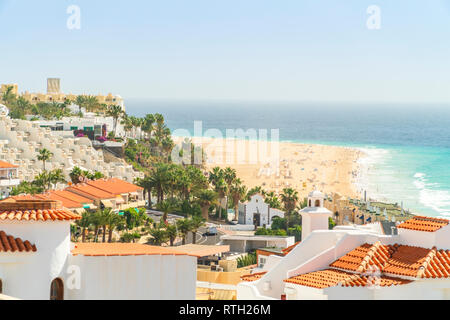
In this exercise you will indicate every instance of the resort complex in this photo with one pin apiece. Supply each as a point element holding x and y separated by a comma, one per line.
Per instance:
<point>93,201</point>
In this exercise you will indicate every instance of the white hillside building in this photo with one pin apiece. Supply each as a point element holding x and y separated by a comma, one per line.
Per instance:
<point>358,262</point>
<point>258,213</point>
<point>21,140</point>
<point>38,261</point>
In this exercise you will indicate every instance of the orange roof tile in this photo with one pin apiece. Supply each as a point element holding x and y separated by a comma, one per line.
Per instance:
<point>363,281</point>
<point>253,277</point>
<point>35,210</point>
<point>6,165</point>
<point>439,266</point>
<point>424,224</point>
<point>11,244</point>
<point>72,196</point>
<point>121,249</point>
<point>408,261</point>
<point>90,191</point>
<point>115,186</point>
<point>331,278</point>
<point>65,202</point>
<point>320,279</point>
<point>365,256</point>
<point>21,197</point>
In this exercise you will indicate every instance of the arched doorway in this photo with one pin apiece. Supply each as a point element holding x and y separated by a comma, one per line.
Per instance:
<point>1,286</point>
<point>317,203</point>
<point>57,290</point>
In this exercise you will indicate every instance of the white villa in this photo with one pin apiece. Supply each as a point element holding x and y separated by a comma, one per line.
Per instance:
<point>357,262</point>
<point>8,179</point>
<point>258,213</point>
<point>39,262</point>
<point>21,140</point>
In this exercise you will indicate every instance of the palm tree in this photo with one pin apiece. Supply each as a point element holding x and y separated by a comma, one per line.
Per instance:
<point>238,193</point>
<point>196,223</point>
<point>115,112</point>
<point>206,199</point>
<point>184,227</point>
<point>84,224</point>
<point>147,184</point>
<point>167,206</point>
<point>96,221</point>
<point>44,156</point>
<point>161,179</point>
<point>172,233</point>
<point>8,96</point>
<point>91,103</point>
<point>230,176</point>
<point>105,219</point>
<point>160,236</point>
<point>254,191</point>
<point>114,221</point>
<point>80,101</point>
<point>56,176</point>
<point>272,200</point>
<point>148,125</point>
<point>289,197</point>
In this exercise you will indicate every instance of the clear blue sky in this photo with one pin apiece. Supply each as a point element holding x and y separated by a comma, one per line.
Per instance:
<point>301,50</point>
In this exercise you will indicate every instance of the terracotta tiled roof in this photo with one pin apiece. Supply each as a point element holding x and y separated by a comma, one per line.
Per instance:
<point>91,192</point>
<point>65,202</point>
<point>253,277</point>
<point>11,244</point>
<point>6,165</point>
<point>395,265</point>
<point>331,278</point>
<point>72,196</point>
<point>361,258</point>
<point>363,281</point>
<point>115,186</point>
<point>320,279</point>
<point>22,197</point>
<point>439,266</point>
<point>424,224</point>
<point>35,210</point>
<point>121,249</point>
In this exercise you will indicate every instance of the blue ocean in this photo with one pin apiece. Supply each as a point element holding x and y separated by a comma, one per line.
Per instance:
<point>408,144</point>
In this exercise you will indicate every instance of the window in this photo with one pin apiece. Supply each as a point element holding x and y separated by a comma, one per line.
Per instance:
<point>57,290</point>
<point>262,262</point>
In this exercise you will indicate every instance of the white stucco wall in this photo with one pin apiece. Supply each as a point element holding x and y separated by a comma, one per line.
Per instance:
<point>152,277</point>
<point>29,275</point>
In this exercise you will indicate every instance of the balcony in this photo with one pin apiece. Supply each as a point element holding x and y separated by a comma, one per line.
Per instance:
<point>4,182</point>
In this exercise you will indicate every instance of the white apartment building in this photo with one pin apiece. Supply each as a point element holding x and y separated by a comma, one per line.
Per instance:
<point>357,262</point>
<point>21,140</point>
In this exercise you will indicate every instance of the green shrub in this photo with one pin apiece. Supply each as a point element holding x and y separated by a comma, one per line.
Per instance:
<point>247,260</point>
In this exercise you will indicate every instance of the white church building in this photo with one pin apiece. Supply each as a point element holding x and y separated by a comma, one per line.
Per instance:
<point>39,262</point>
<point>357,262</point>
<point>258,213</point>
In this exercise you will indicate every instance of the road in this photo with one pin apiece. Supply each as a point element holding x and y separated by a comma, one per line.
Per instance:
<point>204,240</point>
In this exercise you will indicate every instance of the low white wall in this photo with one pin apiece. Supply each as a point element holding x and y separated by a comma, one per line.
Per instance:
<point>135,277</point>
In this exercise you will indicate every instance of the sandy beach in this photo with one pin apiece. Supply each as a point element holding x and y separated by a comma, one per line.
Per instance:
<point>275,166</point>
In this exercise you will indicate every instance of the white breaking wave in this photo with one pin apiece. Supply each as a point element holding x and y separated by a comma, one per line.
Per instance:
<point>438,200</point>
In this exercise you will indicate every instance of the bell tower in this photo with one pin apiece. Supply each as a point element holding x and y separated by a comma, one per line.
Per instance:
<point>315,216</point>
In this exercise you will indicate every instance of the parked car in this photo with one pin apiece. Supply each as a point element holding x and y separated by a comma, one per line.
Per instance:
<point>211,231</point>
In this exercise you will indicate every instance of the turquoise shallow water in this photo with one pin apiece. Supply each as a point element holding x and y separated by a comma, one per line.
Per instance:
<point>408,145</point>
